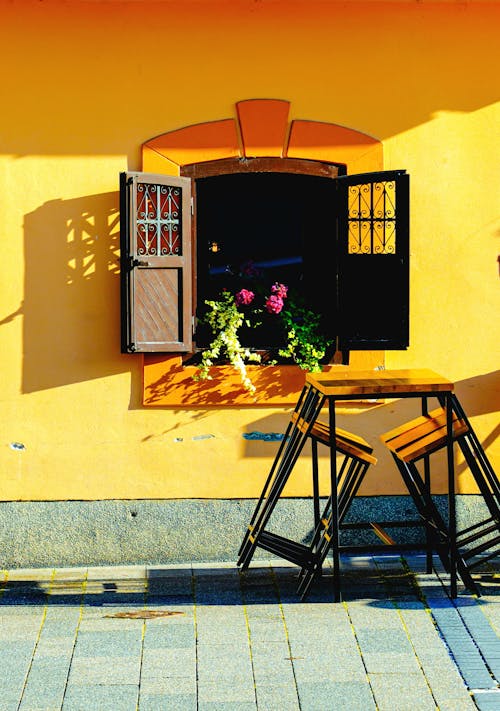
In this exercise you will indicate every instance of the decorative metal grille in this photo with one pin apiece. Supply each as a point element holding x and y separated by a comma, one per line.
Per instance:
<point>158,220</point>
<point>372,218</point>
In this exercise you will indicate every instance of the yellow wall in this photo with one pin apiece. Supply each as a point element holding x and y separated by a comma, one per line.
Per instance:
<point>86,83</point>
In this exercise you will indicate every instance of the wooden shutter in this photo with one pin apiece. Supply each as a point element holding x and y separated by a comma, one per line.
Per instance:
<point>373,260</point>
<point>156,266</point>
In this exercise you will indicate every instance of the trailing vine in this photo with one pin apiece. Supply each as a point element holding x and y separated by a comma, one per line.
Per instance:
<point>225,321</point>
<point>306,344</point>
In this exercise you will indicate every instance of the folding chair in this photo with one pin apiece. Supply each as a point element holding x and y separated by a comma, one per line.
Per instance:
<point>307,409</point>
<point>304,425</point>
<point>416,441</point>
<point>357,457</point>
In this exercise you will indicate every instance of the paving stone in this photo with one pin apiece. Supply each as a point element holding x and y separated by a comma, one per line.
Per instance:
<point>42,697</point>
<point>103,621</point>
<point>118,643</point>
<point>168,686</point>
<point>18,649</point>
<point>223,670</point>
<point>59,620</point>
<point>273,669</point>
<point>382,662</point>
<point>324,669</point>
<point>348,696</point>
<point>266,627</point>
<point>171,662</point>
<point>262,649</point>
<point>383,640</point>
<point>230,690</point>
<point>9,701</point>
<point>271,697</point>
<point>406,688</point>
<point>453,700</point>
<point>115,573</point>
<point>457,704</point>
<point>167,702</point>
<point>236,634</point>
<point>488,701</point>
<point>265,612</point>
<point>55,646</point>
<point>102,697</point>
<point>175,636</point>
<point>226,706</point>
<point>98,670</point>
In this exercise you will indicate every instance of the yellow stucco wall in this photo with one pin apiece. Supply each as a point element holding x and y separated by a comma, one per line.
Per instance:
<point>85,84</point>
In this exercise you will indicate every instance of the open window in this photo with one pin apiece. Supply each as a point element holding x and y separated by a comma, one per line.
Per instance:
<point>342,242</point>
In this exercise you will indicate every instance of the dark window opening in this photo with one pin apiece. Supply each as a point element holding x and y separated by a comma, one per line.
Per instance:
<point>255,229</point>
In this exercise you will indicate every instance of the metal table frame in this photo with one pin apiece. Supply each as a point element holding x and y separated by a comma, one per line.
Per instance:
<point>328,389</point>
<point>387,384</point>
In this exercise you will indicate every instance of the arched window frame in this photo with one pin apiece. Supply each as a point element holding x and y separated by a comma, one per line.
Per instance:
<point>159,294</point>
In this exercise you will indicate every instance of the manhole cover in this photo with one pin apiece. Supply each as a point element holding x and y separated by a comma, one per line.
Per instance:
<point>144,614</point>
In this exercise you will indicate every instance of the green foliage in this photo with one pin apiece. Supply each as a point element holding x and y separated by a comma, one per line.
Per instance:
<point>225,320</point>
<point>306,345</point>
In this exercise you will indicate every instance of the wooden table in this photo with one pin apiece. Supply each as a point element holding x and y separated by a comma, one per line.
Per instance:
<point>326,390</point>
<point>360,385</point>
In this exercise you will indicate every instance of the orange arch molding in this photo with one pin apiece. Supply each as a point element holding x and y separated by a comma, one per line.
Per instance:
<point>261,127</point>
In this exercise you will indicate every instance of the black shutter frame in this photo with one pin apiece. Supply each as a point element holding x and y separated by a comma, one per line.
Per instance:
<point>124,269</point>
<point>376,284</point>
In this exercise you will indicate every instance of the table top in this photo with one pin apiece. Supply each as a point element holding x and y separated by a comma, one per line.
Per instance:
<point>360,383</point>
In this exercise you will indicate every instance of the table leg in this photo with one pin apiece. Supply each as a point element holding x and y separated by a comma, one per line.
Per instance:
<point>452,516</point>
<point>427,480</point>
<point>334,523</point>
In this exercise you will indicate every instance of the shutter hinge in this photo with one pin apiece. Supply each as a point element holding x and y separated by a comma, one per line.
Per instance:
<point>192,206</point>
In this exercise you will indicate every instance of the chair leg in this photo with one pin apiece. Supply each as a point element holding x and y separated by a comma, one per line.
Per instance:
<point>351,474</point>
<point>434,521</point>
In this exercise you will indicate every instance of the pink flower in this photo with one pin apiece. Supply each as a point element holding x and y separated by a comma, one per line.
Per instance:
<point>244,297</point>
<point>279,290</point>
<point>274,304</point>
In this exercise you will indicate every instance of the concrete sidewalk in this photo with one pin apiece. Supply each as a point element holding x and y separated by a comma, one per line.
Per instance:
<point>209,638</point>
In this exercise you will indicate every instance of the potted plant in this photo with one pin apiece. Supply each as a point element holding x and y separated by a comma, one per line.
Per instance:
<point>279,313</point>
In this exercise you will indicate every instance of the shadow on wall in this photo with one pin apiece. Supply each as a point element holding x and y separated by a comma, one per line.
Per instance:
<point>478,396</point>
<point>71,307</point>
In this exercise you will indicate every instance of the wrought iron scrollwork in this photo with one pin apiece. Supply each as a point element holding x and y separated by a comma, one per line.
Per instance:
<point>158,215</point>
<point>372,218</point>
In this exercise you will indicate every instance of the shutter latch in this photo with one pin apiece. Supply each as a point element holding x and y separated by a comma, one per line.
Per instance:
<point>138,263</point>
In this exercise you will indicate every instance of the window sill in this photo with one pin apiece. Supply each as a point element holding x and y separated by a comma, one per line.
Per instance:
<point>168,383</point>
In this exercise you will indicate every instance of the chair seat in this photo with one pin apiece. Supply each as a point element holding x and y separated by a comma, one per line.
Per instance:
<point>345,442</point>
<point>423,435</point>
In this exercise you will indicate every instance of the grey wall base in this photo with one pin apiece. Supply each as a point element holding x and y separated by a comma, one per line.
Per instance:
<point>79,533</point>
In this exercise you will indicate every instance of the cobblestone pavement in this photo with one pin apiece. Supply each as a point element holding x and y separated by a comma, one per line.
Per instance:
<point>207,637</point>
